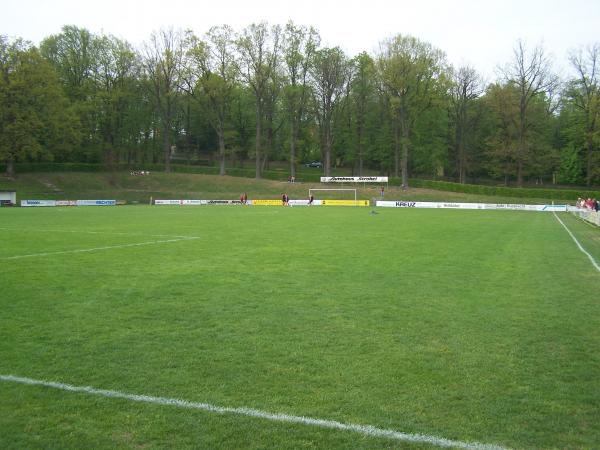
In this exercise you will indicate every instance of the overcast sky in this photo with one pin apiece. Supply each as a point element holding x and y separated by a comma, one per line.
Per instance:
<point>479,33</point>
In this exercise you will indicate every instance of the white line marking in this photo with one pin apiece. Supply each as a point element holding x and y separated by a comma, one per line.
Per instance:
<point>44,230</point>
<point>594,263</point>
<point>322,423</point>
<point>83,250</point>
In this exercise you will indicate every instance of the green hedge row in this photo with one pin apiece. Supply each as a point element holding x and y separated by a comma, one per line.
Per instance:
<point>503,191</point>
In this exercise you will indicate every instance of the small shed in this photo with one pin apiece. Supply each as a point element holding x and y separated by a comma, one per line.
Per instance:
<point>8,198</point>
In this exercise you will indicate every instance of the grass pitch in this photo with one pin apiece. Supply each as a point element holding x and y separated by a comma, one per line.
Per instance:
<point>468,325</point>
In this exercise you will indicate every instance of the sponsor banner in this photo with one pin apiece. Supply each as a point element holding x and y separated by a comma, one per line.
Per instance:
<point>223,202</point>
<point>38,202</point>
<point>193,202</point>
<point>96,202</point>
<point>198,202</point>
<point>487,206</point>
<point>267,202</point>
<point>66,203</point>
<point>354,179</point>
<point>300,202</point>
<point>345,202</point>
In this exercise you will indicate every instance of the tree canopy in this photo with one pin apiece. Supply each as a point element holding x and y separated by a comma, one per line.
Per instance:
<point>268,92</point>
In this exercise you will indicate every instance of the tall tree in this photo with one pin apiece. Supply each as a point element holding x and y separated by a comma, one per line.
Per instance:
<point>115,73</point>
<point>259,48</point>
<point>465,88</point>
<point>363,89</point>
<point>584,93</point>
<point>211,76</point>
<point>531,73</point>
<point>299,45</point>
<point>409,69</point>
<point>330,73</point>
<point>35,118</point>
<point>162,61</point>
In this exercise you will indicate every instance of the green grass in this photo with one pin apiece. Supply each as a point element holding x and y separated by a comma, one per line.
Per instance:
<point>139,189</point>
<point>469,325</point>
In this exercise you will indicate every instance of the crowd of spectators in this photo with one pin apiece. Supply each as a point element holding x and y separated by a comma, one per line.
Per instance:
<point>590,203</point>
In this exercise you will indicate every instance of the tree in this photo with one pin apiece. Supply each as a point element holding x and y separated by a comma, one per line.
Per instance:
<point>409,70</point>
<point>584,93</point>
<point>115,74</point>
<point>330,73</point>
<point>362,92</point>
<point>35,119</point>
<point>299,46</point>
<point>211,75</point>
<point>531,74</point>
<point>258,47</point>
<point>465,88</point>
<point>162,62</point>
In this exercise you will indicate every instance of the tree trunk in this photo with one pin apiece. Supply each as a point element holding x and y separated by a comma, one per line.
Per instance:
<point>396,149</point>
<point>258,138</point>
<point>10,167</point>
<point>167,147</point>
<point>327,151</point>
<point>221,136</point>
<point>294,137</point>
<point>405,141</point>
<point>589,158</point>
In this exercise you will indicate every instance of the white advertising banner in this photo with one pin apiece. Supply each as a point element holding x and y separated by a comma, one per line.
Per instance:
<point>304,203</point>
<point>223,202</point>
<point>198,202</point>
<point>66,203</point>
<point>167,202</point>
<point>354,179</point>
<point>193,202</point>
<point>487,206</point>
<point>96,202</point>
<point>38,202</point>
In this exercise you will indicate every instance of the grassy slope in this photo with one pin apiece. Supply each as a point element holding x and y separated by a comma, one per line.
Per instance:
<point>472,325</point>
<point>122,186</point>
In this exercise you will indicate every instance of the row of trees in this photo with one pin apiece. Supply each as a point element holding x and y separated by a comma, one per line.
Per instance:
<point>274,93</point>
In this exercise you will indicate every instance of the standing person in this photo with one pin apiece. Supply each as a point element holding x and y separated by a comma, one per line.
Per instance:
<point>311,199</point>
<point>245,198</point>
<point>283,199</point>
<point>382,191</point>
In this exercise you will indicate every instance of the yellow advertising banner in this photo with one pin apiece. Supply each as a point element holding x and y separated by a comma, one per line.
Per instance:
<point>345,202</point>
<point>267,202</point>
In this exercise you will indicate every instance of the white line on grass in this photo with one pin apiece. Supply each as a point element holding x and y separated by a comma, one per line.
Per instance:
<point>83,250</point>
<point>322,423</point>
<point>594,263</point>
<point>120,233</point>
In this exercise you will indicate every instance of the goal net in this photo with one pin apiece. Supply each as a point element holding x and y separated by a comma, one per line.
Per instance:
<point>333,194</point>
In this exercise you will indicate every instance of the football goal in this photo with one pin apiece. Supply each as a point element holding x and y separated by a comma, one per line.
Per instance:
<point>334,193</point>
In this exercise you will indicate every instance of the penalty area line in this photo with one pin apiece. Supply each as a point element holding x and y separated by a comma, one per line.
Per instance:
<point>594,263</point>
<point>365,430</point>
<point>84,250</point>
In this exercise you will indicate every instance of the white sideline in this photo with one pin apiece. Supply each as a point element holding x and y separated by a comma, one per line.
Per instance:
<point>83,250</point>
<point>594,263</point>
<point>322,423</point>
<point>120,233</point>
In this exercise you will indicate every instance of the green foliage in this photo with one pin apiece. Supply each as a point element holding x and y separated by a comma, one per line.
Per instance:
<point>35,120</point>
